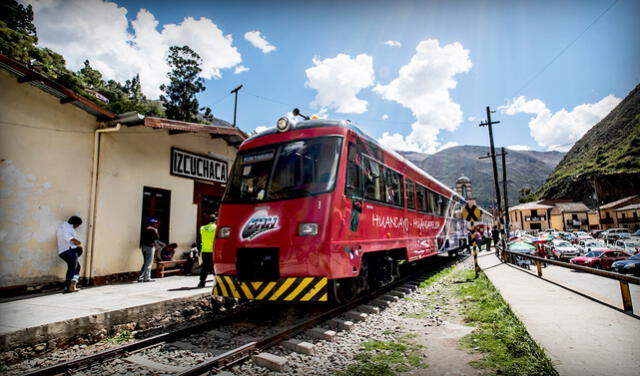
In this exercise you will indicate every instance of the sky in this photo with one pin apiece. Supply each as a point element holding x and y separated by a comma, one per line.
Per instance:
<point>415,75</point>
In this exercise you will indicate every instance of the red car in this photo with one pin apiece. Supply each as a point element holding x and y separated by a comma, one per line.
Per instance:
<point>601,259</point>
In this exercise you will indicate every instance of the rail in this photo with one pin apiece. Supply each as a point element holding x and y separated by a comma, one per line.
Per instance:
<point>508,256</point>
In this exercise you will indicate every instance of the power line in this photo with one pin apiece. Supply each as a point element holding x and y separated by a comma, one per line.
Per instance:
<point>564,49</point>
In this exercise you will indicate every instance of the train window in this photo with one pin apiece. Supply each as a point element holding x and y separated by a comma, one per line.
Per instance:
<point>410,199</point>
<point>444,204</point>
<point>421,193</point>
<point>393,187</point>
<point>373,180</point>
<point>353,186</point>
<point>430,199</point>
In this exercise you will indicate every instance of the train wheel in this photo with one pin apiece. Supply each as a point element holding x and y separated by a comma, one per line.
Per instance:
<point>343,290</point>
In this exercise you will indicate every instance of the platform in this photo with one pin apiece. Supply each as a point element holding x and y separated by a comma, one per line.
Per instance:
<point>37,319</point>
<point>580,335</point>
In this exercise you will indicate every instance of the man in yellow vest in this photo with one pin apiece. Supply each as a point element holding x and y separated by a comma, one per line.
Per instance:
<point>207,237</point>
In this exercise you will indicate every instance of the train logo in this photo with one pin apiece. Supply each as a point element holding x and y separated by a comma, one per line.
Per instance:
<point>259,223</point>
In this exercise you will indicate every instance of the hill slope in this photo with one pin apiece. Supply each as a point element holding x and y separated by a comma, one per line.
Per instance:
<point>607,157</point>
<point>525,169</point>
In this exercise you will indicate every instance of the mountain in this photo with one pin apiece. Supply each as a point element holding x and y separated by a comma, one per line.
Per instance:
<point>525,169</point>
<point>605,162</point>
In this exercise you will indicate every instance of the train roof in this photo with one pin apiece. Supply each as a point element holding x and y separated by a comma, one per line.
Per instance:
<point>321,123</point>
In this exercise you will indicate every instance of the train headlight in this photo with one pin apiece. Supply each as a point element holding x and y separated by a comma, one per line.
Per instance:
<point>283,124</point>
<point>307,229</point>
<point>224,232</point>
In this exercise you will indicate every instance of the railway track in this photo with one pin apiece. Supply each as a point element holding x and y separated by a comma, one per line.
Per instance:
<point>226,341</point>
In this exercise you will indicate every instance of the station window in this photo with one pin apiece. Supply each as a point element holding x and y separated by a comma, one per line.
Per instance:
<point>393,186</point>
<point>156,203</point>
<point>353,186</point>
<point>410,199</point>
<point>373,180</point>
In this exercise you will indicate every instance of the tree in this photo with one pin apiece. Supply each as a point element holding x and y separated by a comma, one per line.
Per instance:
<point>18,17</point>
<point>180,102</point>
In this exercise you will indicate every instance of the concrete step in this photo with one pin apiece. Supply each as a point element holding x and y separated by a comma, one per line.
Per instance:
<point>369,309</point>
<point>355,316</point>
<point>340,325</point>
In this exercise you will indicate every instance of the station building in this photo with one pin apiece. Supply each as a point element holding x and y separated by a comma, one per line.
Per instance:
<point>63,155</point>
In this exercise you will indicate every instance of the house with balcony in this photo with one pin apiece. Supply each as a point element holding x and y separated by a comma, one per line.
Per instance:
<point>535,215</point>
<point>562,215</point>
<point>571,216</point>
<point>628,216</point>
<point>609,212</point>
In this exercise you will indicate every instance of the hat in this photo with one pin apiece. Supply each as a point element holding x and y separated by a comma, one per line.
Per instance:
<point>213,217</point>
<point>153,220</point>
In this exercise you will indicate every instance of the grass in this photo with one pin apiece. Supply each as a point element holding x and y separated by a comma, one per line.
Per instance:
<point>441,274</point>
<point>380,358</point>
<point>508,348</point>
<point>122,337</point>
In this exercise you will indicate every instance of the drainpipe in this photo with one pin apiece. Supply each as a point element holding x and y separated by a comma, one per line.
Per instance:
<point>93,195</point>
<point>128,118</point>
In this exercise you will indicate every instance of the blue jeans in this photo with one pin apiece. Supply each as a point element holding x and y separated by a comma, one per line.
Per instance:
<point>147,254</point>
<point>70,256</point>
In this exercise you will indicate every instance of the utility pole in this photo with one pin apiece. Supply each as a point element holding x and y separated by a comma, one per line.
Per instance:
<point>235,105</point>
<point>489,123</point>
<point>504,187</point>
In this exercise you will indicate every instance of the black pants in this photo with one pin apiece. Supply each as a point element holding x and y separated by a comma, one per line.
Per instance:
<point>207,266</point>
<point>70,256</point>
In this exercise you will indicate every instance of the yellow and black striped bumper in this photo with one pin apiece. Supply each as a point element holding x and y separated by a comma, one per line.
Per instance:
<point>302,289</point>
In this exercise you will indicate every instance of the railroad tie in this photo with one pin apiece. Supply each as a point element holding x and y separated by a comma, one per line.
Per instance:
<point>355,316</point>
<point>340,325</point>
<point>321,333</point>
<point>369,309</point>
<point>270,361</point>
<point>301,347</point>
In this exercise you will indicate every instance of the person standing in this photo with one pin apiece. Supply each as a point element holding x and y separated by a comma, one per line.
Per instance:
<point>207,238</point>
<point>69,249</point>
<point>486,236</point>
<point>495,234</point>
<point>150,236</point>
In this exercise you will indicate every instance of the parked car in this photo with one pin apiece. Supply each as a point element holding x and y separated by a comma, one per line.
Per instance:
<point>595,233</point>
<point>630,246</point>
<point>600,259</point>
<point>568,237</point>
<point>628,266</point>
<point>636,234</point>
<point>561,250</point>
<point>614,234</point>
<point>588,245</point>
<point>581,234</point>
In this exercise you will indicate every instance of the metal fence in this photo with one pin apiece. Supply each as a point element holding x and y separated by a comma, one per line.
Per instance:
<point>508,256</point>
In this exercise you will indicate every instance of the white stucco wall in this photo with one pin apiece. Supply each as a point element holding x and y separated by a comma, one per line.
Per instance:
<point>131,159</point>
<point>45,167</point>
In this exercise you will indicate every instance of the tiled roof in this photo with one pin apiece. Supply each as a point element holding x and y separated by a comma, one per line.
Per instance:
<point>566,207</point>
<point>629,207</point>
<point>618,202</point>
<point>530,206</point>
<point>233,134</point>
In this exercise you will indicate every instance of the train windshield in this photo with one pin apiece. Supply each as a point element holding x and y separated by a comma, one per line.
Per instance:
<point>284,171</point>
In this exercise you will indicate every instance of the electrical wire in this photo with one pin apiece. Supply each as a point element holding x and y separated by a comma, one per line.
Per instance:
<point>564,49</point>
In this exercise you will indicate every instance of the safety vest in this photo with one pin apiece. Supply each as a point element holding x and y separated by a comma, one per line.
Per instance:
<point>207,237</point>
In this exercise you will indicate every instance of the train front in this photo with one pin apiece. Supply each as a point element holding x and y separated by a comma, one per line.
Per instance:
<point>274,220</point>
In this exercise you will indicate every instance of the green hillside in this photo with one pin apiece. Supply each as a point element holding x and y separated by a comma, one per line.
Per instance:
<point>606,159</point>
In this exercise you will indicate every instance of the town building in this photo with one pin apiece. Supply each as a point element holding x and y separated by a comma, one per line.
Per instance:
<point>63,155</point>
<point>628,216</point>
<point>562,215</point>
<point>609,214</point>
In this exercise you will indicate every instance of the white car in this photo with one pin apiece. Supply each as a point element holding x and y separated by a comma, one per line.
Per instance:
<point>587,245</point>
<point>631,246</point>
<point>562,250</point>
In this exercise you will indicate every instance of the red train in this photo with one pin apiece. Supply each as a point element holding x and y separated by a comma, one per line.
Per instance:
<point>318,210</point>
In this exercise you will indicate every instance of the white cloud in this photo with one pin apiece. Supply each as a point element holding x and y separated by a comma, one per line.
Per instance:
<point>472,119</point>
<point>261,129</point>
<point>338,81</point>
<point>393,43</point>
<point>385,117</point>
<point>97,31</point>
<point>560,130</point>
<point>258,41</point>
<point>518,147</point>
<point>398,142</point>
<point>240,68</point>
<point>322,114</point>
<point>423,86</point>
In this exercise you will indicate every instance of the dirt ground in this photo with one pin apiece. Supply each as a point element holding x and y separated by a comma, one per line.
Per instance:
<point>443,352</point>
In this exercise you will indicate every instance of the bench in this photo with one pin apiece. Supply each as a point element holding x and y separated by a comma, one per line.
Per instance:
<point>161,265</point>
